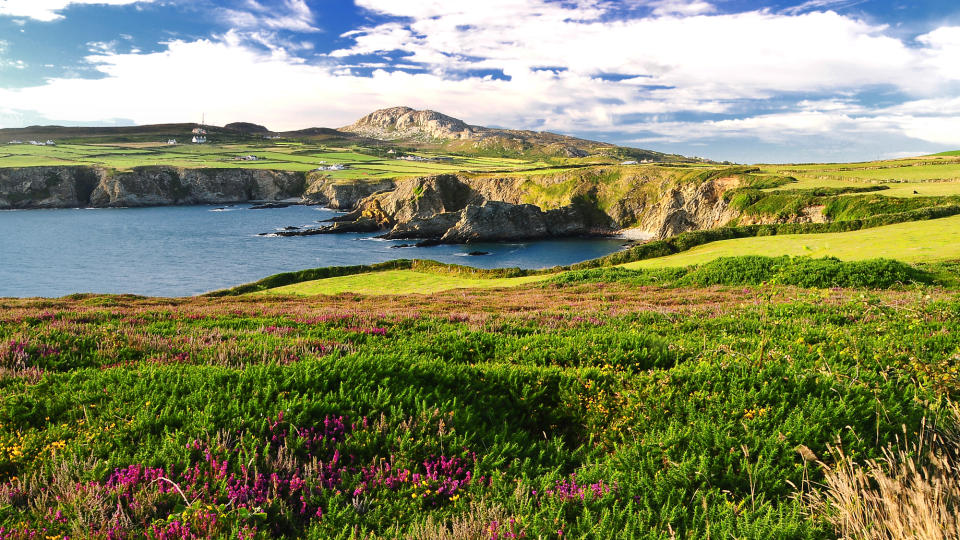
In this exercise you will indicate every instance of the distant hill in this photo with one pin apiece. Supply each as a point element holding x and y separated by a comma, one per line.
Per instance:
<point>401,127</point>
<point>404,125</point>
<point>246,127</point>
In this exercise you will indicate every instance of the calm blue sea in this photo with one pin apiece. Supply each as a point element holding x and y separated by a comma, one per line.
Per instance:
<point>187,250</point>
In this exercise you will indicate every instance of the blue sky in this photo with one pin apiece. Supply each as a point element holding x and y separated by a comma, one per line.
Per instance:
<point>739,80</point>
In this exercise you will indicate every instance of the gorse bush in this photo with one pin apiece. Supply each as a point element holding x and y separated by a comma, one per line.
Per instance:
<point>756,269</point>
<point>804,272</point>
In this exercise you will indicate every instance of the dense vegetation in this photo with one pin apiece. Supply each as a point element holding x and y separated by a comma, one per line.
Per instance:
<point>600,409</point>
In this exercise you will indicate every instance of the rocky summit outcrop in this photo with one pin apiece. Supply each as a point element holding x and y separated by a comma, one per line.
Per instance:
<point>407,123</point>
<point>70,187</point>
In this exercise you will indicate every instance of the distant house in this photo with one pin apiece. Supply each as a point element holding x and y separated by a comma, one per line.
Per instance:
<point>247,158</point>
<point>171,141</point>
<point>199,131</point>
<point>15,141</point>
<point>50,143</point>
<point>391,151</point>
<point>631,162</point>
<point>198,139</point>
<point>334,167</point>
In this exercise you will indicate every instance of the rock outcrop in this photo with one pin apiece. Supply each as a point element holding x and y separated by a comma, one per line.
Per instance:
<point>690,207</point>
<point>455,209</point>
<point>341,194</point>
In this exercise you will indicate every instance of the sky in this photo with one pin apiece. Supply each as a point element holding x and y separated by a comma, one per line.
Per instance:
<point>738,80</point>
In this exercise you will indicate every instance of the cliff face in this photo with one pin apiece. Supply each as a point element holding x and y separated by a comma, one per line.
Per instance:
<point>47,187</point>
<point>456,209</point>
<point>69,187</point>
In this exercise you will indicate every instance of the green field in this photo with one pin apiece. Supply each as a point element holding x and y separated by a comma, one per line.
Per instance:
<point>927,176</point>
<point>287,156</point>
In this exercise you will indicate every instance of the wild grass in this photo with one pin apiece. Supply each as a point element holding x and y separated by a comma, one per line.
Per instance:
<point>911,491</point>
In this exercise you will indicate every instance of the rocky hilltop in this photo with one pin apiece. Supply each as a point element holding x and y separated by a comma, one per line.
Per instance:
<point>406,123</point>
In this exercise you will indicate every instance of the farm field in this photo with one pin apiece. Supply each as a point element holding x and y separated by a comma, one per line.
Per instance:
<point>917,241</point>
<point>576,410</point>
<point>279,156</point>
<point>912,177</point>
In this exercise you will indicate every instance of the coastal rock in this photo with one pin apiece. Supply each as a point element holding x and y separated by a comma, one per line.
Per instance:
<point>359,226</point>
<point>341,194</point>
<point>497,221</point>
<point>430,227</point>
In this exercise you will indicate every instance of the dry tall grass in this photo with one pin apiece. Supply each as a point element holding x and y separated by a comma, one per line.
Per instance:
<point>913,491</point>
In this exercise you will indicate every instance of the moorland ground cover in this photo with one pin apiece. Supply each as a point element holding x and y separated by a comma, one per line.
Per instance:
<point>601,404</point>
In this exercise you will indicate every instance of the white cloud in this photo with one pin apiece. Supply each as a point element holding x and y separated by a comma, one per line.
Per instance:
<point>812,5</point>
<point>294,15</point>
<point>681,7</point>
<point>48,10</point>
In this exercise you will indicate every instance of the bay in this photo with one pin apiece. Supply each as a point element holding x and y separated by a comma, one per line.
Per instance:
<point>188,250</point>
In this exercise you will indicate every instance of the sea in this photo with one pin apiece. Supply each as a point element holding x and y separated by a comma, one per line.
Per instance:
<point>189,250</point>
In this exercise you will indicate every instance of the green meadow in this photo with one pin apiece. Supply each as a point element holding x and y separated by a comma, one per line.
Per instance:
<point>288,156</point>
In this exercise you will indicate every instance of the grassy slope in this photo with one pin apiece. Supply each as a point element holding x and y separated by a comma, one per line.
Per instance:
<point>921,241</point>
<point>397,282</point>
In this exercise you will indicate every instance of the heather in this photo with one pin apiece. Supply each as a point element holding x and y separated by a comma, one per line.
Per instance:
<point>590,408</point>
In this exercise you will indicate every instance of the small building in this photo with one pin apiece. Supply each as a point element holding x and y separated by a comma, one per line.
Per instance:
<point>247,158</point>
<point>334,167</point>
<point>198,139</point>
<point>199,131</point>
<point>631,162</point>
<point>171,141</point>
<point>15,141</point>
